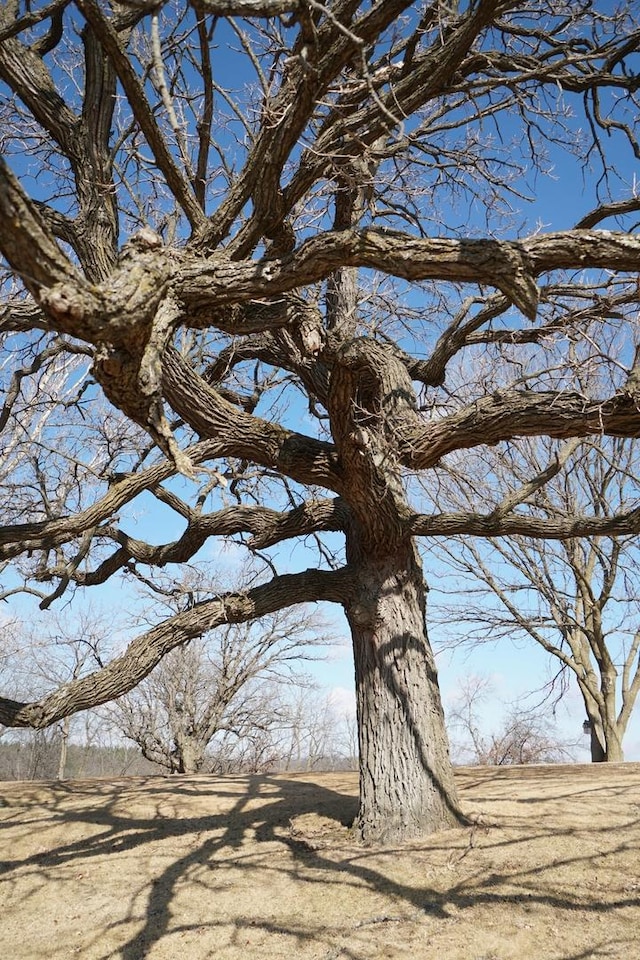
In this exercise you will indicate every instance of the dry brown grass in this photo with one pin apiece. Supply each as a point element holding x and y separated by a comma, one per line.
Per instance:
<point>263,867</point>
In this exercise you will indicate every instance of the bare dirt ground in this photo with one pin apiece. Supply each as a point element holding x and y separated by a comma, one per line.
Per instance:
<point>262,866</point>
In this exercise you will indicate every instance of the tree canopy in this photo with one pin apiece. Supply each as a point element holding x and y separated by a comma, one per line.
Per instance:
<point>276,238</point>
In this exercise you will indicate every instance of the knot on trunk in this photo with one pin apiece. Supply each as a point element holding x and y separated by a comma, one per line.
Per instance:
<point>362,614</point>
<point>65,304</point>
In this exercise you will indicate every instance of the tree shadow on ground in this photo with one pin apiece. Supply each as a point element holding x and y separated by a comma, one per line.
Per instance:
<point>305,824</point>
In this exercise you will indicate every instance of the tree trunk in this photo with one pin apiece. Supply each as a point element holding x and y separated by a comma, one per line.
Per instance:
<point>64,746</point>
<point>606,743</point>
<point>612,737</point>
<point>598,753</point>
<point>615,753</point>
<point>406,779</point>
<point>186,757</point>
<point>606,734</point>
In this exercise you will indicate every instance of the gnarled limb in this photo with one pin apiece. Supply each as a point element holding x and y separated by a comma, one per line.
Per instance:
<point>267,528</point>
<point>547,528</point>
<point>141,656</point>
<point>239,434</point>
<point>509,414</point>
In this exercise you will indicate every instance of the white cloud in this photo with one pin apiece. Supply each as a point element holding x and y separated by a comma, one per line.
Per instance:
<point>343,700</point>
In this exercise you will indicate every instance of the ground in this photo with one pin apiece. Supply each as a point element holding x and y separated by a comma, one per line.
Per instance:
<point>262,866</point>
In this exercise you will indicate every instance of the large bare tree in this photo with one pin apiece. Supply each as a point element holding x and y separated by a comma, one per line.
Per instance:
<point>271,226</point>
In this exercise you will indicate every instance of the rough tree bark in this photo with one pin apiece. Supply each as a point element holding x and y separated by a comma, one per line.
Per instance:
<point>406,778</point>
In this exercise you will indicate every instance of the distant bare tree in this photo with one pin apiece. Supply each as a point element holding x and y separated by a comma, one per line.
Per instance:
<point>43,652</point>
<point>578,598</point>
<point>524,736</point>
<point>320,736</point>
<point>224,686</point>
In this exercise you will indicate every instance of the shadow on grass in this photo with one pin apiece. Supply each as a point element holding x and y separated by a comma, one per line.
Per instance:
<point>260,810</point>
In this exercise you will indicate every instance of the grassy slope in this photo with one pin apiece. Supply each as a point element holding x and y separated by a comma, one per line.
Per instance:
<point>262,866</point>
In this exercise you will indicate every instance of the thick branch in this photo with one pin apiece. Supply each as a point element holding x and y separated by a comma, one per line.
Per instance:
<point>511,266</point>
<point>47,534</point>
<point>606,210</point>
<point>143,653</point>
<point>508,414</point>
<point>360,119</point>
<point>249,8</point>
<point>630,681</point>
<point>26,242</point>
<point>268,527</point>
<point>239,434</point>
<point>321,50</point>
<point>142,111</point>
<point>492,525</point>
<point>262,9</point>
<point>32,18</point>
